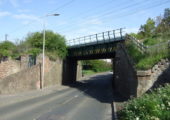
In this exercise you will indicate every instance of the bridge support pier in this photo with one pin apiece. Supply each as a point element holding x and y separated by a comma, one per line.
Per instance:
<point>69,71</point>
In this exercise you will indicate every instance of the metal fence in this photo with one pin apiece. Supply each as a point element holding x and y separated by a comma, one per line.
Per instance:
<point>104,37</point>
<point>161,47</point>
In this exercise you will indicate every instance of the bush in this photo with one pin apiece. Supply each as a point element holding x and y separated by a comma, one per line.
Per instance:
<point>152,106</point>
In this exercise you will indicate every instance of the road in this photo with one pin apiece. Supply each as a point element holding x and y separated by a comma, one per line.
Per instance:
<point>89,99</point>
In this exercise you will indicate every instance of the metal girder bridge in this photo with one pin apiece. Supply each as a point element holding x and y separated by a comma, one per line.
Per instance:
<point>96,46</point>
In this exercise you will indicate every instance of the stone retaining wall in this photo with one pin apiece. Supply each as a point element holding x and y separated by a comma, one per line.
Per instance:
<point>154,77</point>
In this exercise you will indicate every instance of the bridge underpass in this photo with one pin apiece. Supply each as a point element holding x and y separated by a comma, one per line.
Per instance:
<point>105,45</point>
<point>97,46</point>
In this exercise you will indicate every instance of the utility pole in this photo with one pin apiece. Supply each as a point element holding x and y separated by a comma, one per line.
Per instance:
<point>6,37</point>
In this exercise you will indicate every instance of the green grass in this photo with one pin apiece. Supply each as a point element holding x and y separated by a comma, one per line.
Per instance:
<point>149,61</point>
<point>145,61</point>
<point>92,72</point>
<point>155,40</point>
<point>152,106</point>
<point>89,72</point>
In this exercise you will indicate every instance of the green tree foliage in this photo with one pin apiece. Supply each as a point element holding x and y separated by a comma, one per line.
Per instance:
<point>7,49</point>
<point>157,31</point>
<point>54,44</point>
<point>96,65</point>
<point>147,29</point>
<point>167,13</point>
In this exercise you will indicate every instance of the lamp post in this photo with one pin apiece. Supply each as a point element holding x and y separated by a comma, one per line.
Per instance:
<point>43,59</point>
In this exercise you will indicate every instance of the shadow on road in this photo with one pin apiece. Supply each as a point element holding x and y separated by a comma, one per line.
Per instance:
<point>98,87</point>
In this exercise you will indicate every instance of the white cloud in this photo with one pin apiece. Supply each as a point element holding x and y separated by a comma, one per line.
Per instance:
<point>27,17</point>
<point>2,14</point>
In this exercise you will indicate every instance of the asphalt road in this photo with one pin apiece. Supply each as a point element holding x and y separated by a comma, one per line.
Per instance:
<point>86,100</point>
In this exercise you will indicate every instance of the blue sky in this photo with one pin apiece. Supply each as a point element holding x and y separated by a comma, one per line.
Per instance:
<point>78,17</point>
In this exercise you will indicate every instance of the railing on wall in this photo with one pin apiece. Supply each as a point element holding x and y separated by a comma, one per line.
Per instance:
<point>150,49</point>
<point>104,37</point>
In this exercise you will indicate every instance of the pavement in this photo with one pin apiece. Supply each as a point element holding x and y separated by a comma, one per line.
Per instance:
<point>88,99</point>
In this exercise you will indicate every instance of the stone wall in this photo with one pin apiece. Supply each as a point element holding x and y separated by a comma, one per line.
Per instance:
<point>152,78</point>
<point>24,80</point>
<point>53,74</point>
<point>9,67</point>
<point>30,78</point>
<point>125,79</point>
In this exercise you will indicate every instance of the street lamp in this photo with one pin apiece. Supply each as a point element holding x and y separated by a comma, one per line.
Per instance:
<point>43,61</point>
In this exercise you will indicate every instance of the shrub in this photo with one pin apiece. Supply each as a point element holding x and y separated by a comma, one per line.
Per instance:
<point>151,106</point>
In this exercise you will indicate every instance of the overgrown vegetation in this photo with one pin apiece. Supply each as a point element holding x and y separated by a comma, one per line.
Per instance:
<point>146,61</point>
<point>55,46</point>
<point>152,106</point>
<point>151,33</point>
<point>94,66</point>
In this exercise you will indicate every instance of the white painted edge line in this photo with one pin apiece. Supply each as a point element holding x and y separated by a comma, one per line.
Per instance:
<point>115,111</point>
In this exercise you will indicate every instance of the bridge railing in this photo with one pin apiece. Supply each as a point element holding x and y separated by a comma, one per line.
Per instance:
<point>104,37</point>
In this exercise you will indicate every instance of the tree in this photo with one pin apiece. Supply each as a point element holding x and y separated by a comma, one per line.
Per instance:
<point>164,27</point>
<point>147,29</point>
<point>167,13</point>
<point>54,44</point>
<point>7,49</point>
